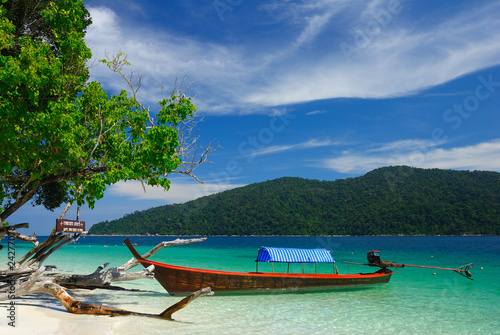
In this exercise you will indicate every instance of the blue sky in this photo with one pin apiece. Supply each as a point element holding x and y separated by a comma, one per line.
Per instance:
<point>319,89</point>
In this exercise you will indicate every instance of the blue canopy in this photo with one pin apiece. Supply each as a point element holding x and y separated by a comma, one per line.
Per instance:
<point>291,255</point>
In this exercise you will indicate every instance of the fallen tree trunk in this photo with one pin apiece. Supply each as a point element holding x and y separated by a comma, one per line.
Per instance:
<point>38,283</point>
<point>102,279</point>
<point>27,276</point>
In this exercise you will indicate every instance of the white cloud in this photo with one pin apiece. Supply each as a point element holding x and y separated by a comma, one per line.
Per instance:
<point>315,25</point>
<point>482,156</point>
<point>315,112</point>
<point>406,145</point>
<point>400,58</point>
<point>161,57</point>
<point>312,143</point>
<point>178,193</point>
<point>398,61</point>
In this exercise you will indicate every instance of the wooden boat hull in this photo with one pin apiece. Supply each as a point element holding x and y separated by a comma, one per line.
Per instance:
<point>183,280</point>
<point>180,280</point>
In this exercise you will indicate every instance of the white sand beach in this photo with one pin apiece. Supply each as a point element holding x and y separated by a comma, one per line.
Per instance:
<point>40,314</point>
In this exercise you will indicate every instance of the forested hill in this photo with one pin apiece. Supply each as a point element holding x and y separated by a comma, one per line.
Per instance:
<point>390,200</point>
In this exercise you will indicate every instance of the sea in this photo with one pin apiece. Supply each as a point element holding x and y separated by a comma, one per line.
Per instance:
<point>415,301</point>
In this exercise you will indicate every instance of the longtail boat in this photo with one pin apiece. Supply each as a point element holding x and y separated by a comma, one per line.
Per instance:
<point>178,280</point>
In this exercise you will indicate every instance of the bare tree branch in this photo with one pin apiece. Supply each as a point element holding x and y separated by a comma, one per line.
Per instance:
<point>134,262</point>
<point>192,154</point>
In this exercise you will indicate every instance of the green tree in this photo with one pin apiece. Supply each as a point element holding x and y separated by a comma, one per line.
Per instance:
<point>64,138</point>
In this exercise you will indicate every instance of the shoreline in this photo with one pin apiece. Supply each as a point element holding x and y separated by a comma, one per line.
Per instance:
<point>382,235</point>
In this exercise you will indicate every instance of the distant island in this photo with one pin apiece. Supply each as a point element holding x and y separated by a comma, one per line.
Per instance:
<point>386,201</point>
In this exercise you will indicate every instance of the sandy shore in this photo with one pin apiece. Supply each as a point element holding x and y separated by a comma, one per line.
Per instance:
<point>40,314</point>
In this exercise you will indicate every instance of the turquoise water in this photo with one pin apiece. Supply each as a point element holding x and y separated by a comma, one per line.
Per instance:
<point>416,301</point>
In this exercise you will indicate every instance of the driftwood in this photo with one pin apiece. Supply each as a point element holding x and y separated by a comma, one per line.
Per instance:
<point>167,314</point>
<point>37,283</point>
<point>28,276</point>
<point>13,233</point>
<point>103,279</point>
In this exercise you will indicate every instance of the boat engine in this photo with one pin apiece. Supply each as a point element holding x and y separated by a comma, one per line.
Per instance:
<point>374,258</point>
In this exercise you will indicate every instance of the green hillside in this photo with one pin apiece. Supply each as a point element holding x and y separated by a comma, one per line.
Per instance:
<point>390,200</point>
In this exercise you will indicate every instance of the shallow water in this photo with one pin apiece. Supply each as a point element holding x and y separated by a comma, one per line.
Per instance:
<point>416,301</point>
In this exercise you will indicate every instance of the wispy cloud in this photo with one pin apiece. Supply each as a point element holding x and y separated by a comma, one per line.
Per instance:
<point>395,63</point>
<point>482,156</point>
<point>315,25</point>
<point>405,146</point>
<point>312,143</point>
<point>179,192</point>
<point>402,58</point>
<point>315,112</point>
<point>162,57</point>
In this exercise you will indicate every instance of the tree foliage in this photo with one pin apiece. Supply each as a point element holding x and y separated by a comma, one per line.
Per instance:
<point>64,138</point>
<point>392,200</point>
